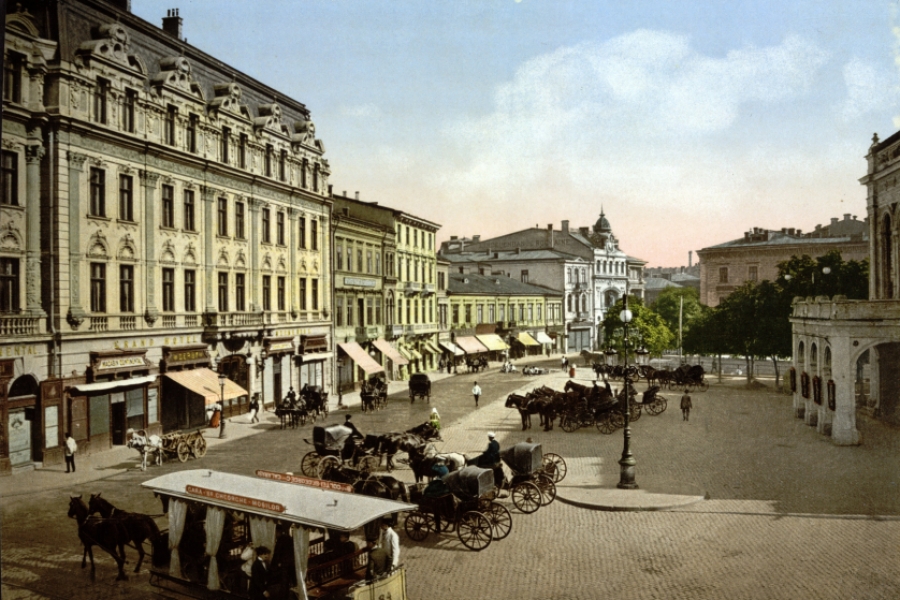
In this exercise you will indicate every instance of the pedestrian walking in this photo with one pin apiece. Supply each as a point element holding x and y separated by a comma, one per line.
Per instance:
<point>435,419</point>
<point>563,363</point>
<point>71,449</point>
<point>254,409</point>
<point>685,406</point>
<point>476,391</point>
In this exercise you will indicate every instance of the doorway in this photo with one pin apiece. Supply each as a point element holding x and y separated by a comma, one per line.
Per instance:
<point>119,415</point>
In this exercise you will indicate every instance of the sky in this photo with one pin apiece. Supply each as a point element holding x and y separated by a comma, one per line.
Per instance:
<point>687,123</point>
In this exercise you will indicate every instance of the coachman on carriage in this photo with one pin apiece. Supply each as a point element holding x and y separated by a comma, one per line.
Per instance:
<point>337,446</point>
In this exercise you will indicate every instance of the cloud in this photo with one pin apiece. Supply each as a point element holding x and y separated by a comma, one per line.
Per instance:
<point>868,89</point>
<point>360,111</point>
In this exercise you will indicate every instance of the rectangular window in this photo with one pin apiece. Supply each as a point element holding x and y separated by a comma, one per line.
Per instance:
<point>377,262</point>
<point>303,293</point>
<point>378,310</point>
<point>223,292</point>
<point>10,178</point>
<point>171,114</point>
<point>267,292</point>
<point>240,289</point>
<point>282,166</point>
<point>480,313</point>
<point>753,273</point>
<point>239,231</point>
<point>723,274</point>
<point>502,310</point>
<point>168,206</point>
<point>242,151</point>
<point>101,90</point>
<point>269,152</point>
<point>281,295</point>
<point>193,122</point>
<point>128,111</point>
<point>98,287</point>
<point>189,210</point>
<point>168,290</point>
<point>314,234</point>
<point>279,228</point>
<point>12,77</point>
<point>441,284</point>
<point>339,258</point>
<point>9,285</point>
<point>304,167</point>
<point>190,291</point>
<point>126,202</point>
<point>266,235</point>
<point>126,288</point>
<point>98,192</point>
<point>223,216</point>
<point>359,261</point>
<point>540,313</point>
<point>407,236</point>
<point>490,313</point>
<point>225,144</point>
<point>339,311</point>
<point>524,276</point>
<point>301,233</point>
<point>370,310</point>
<point>369,261</point>
<point>349,312</point>
<point>315,294</point>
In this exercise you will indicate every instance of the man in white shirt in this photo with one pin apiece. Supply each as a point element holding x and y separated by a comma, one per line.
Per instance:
<point>476,391</point>
<point>390,541</point>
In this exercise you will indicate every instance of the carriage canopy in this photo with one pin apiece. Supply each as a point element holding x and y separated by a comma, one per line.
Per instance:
<point>523,458</point>
<point>332,437</point>
<point>470,482</point>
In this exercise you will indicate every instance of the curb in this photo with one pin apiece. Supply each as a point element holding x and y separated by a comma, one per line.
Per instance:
<point>648,502</point>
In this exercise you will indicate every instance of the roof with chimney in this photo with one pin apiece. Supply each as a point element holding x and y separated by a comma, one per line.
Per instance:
<point>472,283</point>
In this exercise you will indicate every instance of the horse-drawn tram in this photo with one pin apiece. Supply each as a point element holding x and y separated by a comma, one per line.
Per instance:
<point>216,519</point>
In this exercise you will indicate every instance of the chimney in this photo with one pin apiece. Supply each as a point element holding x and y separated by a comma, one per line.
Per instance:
<point>583,231</point>
<point>834,220</point>
<point>549,226</point>
<point>565,227</point>
<point>344,193</point>
<point>690,258</point>
<point>172,23</point>
<point>453,237</point>
<point>357,195</point>
<point>476,239</point>
<point>846,216</point>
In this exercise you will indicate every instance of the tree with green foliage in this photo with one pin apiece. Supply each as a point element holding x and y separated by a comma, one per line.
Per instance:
<point>669,303</point>
<point>804,276</point>
<point>647,328</point>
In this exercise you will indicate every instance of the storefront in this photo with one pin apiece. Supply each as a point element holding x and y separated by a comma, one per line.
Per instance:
<point>526,345</point>
<point>313,353</point>
<point>191,395</point>
<point>495,344</point>
<point>277,371</point>
<point>352,354</point>
<point>392,360</point>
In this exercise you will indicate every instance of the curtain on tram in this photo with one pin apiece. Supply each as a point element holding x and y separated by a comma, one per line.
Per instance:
<point>301,553</point>
<point>215,523</point>
<point>262,532</point>
<point>177,516</point>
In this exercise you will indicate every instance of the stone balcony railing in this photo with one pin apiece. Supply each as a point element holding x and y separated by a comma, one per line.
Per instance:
<point>411,288</point>
<point>369,332</point>
<point>840,308</point>
<point>12,326</point>
<point>428,289</point>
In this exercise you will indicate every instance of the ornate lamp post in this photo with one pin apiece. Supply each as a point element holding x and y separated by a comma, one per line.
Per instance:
<point>340,388</point>
<point>627,462</point>
<point>261,367</point>
<point>222,402</point>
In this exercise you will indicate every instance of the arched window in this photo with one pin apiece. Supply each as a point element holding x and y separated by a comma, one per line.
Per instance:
<point>826,368</point>
<point>813,358</point>
<point>887,257</point>
<point>801,355</point>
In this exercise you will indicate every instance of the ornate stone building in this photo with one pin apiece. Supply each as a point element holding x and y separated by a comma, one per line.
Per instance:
<point>163,216</point>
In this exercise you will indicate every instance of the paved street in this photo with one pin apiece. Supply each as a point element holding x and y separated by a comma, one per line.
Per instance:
<point>789,515</point>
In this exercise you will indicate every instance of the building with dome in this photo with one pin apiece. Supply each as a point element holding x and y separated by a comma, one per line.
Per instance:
<point>586,264</point>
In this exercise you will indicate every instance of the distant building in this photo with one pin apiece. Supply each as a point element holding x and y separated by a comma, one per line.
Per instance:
<point>654,286</point>
<point>755,257</point>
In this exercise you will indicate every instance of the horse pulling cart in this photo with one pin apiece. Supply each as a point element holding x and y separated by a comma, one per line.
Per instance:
<point>419,387</point>
<point>335,446</point>
<point>214,517</point>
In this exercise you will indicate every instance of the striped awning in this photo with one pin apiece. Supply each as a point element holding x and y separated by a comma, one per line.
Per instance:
<point>385,348</point>
<point>361,357</point>
<point>429,346</point>
<point>409,353</point>
<point>544,338</point>
<point>205,382</point>
<point>451,348</point>
<point>470,345</point>
<point>526,340</point>
<point>492,341</point>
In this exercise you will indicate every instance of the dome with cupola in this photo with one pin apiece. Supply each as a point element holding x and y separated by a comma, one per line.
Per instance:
<point>602,225</point>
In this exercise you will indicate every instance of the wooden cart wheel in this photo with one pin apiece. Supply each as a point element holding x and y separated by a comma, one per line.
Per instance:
<point>183,450</point>
<point>569,422</point>
<point>309,466</point>
<point>556,466</point>
<point>474,531</point>
<point>369,464</point>
<point>418,525</point>
<point>617,419</point>
<point>635,411</point>
<point>657,406</point>
<point>547,487</point>
<point>605,424</point>
<point>526,497</point>
<point>200,447</point>
<point>501,520</point>
<point>326,464</point>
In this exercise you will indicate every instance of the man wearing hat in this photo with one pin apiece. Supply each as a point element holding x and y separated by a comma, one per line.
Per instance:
<point>490,458</point>
<point>390,542</point>
<point>259,574</point>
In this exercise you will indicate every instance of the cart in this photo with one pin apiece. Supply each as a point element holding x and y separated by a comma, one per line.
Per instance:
<point>419,387</point>
<point>183,445</point>
<point>526,462</point>
<point>334,447</point>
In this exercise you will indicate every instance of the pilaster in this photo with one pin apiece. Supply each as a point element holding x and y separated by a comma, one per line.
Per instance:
<point>255,204</point>
<point>149,181</point>
<point>34,153</point>
<point>843,428</point>
<point>292,273</point>
<point>209,230</point>
<point>76,314</point>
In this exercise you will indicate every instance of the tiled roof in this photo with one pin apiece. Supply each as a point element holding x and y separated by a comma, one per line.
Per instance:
<point>461,283</point>
<point>776,238</point>
<point>658,283</point>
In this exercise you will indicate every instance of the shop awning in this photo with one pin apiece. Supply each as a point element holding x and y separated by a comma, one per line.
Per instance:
<point>543,338</point>
<point>492,341</point>
<point>385,348</point>
<point>429,346</point>
<point>451,348</point>
<point>108,386</point>
<point>526,340</point>
<point>205,382</point>
<point>470,345</point>
<point>361,357</point>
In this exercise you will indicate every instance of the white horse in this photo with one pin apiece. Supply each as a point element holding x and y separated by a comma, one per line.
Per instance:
<point>454,461</point>
<point>152,444</point>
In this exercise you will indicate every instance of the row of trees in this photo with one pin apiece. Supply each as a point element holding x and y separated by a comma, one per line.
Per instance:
<point>753,321</point>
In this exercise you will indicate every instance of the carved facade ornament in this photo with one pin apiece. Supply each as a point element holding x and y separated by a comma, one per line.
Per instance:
<point>11,145</point>
<point>175,72</point>
<point>34,153</point>
<point>127,248</point>
<point>267,262</point>
<point>76,160</point>
<point>269,117</point>
<point>228,97</point>
<point>22,21</point>
<point>315,267</point>
<point>110,43</point>
<point>241,261</point>
<point>11,239</point>
<point>190,254</point>
<point>149,178</point>
<point>167,253</point>
<point>304,133</point>
<point>282,267</point>
<point>223,260</point>
<point>97,246</point>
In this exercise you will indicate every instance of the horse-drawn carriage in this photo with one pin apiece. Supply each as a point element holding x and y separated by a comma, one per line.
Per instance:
<point>292,516</point>
<point>373,394</point>
<point>532,483</point>
<point>469,509</point>
<point>176,443</point>
<point>336,446</point>
<point>419,387</point>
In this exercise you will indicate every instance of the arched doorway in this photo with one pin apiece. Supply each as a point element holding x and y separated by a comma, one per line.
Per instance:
<point>23,423</point>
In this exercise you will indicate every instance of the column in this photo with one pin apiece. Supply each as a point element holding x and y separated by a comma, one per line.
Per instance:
<point>843,428</point>
<point>148,182</point>
<point>76,314</point>
<point>292,272</point>
<point>209,232</point>
<point>34,152</point>
<point>255,204</point>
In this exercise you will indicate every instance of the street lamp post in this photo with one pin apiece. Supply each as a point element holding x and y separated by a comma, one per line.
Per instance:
<point>627,462</point>
<point>339,387</point>
<point>261,367</point>
<point>222,403</point>
<point>825,271</point>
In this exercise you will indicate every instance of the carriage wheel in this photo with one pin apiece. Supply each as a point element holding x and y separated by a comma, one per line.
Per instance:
<point>617,419</point>
<point>200,447</point>
<point>369,464</point>
<point>568,422</point>
<point>526,497</point>
<point>635,411</point>
<point>657,406</point>
<point>555,466</point>
<point>547,487</point>
<point>183,451</point>
<point>605,424</point>
<point>309,466</point>
<point>418,524</point>
<point>501,520</point>
<point>585,418</point>
<point>326,464</point>
<point>474,531</point>
<point>704,386</point>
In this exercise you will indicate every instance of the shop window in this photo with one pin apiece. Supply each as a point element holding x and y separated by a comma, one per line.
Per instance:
<point>134,408</point>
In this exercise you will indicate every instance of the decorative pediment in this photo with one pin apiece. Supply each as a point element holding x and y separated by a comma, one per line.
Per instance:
<point>167,253</point>
<point>241,261</point>
<point>22,21</point>
<point>303,265</point>
<point>267,262</point>
<point>269,117</point>
<point>223,260</point>
<point>98,246</point>
<point>282,266</point>
<point>127,248</point>
<point>304,133</point>
<point>110,43</point>
<point>190,254</point>
<point>228,97</point>
<point>11,239</point>
<point>175,72</point>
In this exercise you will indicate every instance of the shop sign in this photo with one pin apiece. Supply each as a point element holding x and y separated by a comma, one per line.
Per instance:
<point>359,282</point>
<point>234,498</point>
<point>120,362</point>
<point>308,481</point>
<point>187,355</point>
<point>283,346</point>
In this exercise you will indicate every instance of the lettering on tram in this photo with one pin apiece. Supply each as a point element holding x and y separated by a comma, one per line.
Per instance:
<point>318,483</point>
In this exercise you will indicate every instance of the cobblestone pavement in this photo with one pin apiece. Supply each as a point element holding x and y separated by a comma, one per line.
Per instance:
<point>789,516</point>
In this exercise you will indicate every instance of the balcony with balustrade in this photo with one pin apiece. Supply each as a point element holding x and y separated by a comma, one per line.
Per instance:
<point>412,288</point>
<point>20,326</point>
<point>368,333</point>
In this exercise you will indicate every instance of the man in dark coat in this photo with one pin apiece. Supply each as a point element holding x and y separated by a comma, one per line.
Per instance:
<point>379,563</point>
<point>686,406</point>
<point>259,574</point>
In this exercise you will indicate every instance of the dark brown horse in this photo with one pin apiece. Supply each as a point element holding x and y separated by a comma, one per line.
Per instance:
<point>108,534</point>
<point>138,527</point>
<point>526,407</point>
